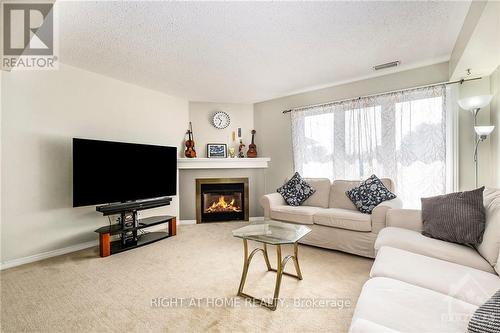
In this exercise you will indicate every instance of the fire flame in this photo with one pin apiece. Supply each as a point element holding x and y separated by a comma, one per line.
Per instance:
<point>221,206</point>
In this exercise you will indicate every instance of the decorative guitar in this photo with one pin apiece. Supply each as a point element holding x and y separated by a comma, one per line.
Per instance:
<point>190,152</point>
<point>252,148</point>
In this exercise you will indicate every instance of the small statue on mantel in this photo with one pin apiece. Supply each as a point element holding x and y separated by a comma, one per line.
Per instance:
<point>241,147</point>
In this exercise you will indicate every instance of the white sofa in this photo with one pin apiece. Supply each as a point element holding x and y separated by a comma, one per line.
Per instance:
<point>421,284</point>
<point>334,220</point>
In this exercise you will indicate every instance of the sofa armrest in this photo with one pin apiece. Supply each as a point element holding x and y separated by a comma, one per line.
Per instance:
<point>269,200</point>
<point>379,213</point>
<point>405,218</point>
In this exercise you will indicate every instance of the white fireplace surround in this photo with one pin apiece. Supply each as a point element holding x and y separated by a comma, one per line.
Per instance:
<point>223,163</point>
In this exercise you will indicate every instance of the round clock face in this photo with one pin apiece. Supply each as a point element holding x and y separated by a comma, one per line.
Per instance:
<point>221,120</point>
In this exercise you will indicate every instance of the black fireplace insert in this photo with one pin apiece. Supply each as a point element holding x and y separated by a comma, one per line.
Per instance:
<point>221,199</point>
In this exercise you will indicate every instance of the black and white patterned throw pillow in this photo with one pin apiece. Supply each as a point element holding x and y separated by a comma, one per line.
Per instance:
<point>296,190</point>
<point>486,319</point>
<point>370,193</point>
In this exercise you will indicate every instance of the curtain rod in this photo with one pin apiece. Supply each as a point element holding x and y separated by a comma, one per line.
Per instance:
<point>389,92</point>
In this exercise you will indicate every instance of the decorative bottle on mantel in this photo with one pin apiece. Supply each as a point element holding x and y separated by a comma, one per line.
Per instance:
<point>252,148</point>
<point>241,153</point>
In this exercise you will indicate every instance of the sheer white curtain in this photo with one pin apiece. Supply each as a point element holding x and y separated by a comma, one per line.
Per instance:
<point>401,135</point>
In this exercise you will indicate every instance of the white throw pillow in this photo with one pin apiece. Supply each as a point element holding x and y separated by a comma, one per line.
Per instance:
<point>490,246</point>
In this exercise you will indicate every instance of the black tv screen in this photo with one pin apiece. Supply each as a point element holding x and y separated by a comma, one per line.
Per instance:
<point>105,172</point>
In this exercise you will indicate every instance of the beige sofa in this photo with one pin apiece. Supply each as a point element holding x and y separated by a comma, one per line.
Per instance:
<point>421,284</point>
<point>334,220</point>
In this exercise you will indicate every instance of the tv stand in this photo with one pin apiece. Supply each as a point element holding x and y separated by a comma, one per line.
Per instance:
<point>108,247</point>
<point>130,231</point>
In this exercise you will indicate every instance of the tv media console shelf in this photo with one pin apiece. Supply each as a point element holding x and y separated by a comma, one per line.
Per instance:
<point>130,228</point>
<point>108,247</point>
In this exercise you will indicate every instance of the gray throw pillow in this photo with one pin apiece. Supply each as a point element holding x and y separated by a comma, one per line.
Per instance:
<point>456,217</point>
<point>486,319</point>
<point>296,190</point>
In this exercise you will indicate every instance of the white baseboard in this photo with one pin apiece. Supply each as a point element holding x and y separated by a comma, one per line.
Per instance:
<point>256,218</point>
<point>46,255</point>
<point>78,247</point>
<point>187,221</point>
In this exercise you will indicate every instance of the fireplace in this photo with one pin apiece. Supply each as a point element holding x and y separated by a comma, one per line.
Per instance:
<point>221,199</point>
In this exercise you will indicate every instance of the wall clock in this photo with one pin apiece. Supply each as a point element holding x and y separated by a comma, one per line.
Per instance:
<point>221,120</point>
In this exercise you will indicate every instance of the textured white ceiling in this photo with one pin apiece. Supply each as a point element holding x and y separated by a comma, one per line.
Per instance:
<point>252,51</point>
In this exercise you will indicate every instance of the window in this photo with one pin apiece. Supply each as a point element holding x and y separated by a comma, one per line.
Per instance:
<point>400,135</point>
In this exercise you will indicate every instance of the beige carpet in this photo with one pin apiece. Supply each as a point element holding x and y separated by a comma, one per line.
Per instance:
<point>82,292</point>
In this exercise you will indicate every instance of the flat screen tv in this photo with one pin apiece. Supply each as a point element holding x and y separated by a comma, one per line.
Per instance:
<point>107,172</point>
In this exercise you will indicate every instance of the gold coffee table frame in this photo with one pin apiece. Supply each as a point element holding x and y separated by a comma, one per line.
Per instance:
<point>281,263</point>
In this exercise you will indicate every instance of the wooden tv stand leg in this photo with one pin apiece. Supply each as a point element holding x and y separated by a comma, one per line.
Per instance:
<point>104,245</point>
<point>172,227</point>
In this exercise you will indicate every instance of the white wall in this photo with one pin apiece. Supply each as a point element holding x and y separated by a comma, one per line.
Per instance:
<point>274,128</point>
<point>466,137</point>
<point>1,168</point>
<point>474,14</point>
<point>495,120</point>
<point>478,45</point>
<point>42,111</point>
<point>200,114</point>
<point>478,49</point>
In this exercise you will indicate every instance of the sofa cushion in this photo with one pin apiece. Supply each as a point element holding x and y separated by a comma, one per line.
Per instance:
<point>415,242</point>
<point>465,283</point>
<point>321,197</point>
<point>370,193</point>
<point>338,198</point>
<point>404,307</point>
<point>490,246</point>
<point>455,217</point>
<point>297,214</point>
<point>343,218</point>
<point>296,190</point>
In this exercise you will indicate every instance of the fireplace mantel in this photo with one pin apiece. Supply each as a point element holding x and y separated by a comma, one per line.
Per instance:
<point>223,163</point>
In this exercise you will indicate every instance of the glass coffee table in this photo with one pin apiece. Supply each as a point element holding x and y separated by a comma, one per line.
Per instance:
<point>273,233</point>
